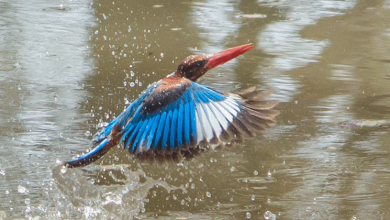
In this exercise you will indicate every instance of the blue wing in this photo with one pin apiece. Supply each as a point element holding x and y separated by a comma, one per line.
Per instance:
<point>180,118</point>
<point>188,117</point>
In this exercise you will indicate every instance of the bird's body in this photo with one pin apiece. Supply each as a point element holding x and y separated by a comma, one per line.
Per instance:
<point>177,117</point>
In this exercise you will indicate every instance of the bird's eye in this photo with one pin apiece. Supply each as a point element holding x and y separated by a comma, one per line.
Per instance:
<point>199,63</point>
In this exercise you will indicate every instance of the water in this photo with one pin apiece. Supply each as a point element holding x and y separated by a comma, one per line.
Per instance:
<point>69,67</point>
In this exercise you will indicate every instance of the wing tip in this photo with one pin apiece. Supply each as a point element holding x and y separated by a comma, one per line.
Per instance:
<point>91,156</point>
<point>255,115</point>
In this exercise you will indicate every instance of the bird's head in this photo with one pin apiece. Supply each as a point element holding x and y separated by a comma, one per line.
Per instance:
<point>195,66</point>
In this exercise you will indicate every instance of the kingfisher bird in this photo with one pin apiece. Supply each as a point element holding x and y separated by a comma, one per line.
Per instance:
<point>177,118</point>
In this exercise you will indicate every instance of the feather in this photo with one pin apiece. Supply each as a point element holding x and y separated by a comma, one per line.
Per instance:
<point>159,129</point>
<point>166,130</point>
<point>174,127</point>
<point>153,131</point>
<point>144,135</point>
<point>140,132</point>
<point>180,121</point>
<point>130,139</point>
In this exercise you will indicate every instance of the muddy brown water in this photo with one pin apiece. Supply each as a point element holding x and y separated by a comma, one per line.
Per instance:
<point>68,67</point>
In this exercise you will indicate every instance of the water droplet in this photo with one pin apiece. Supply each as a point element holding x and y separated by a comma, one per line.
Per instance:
<point>96,32</point>
<point>269,215</point>
<point>140,83</point>
<point>253,197</point>
<point>354,218</point>
<point>88,133</point>
<point>22,189</point>
<point>132,73</point>
<point>232,169</point>
<point>248,215</point>
<point>315,201</point>
<point>63,169</point>
<point>132,84</point>
<point>193,186</point>
<point>7,192</point>
<point>101,108</point>
<point>183,202</point>
<point>269,174</point>
<point>255,173</point>
<point>104,16</point>
<point>161,55</point>
<point>104,37</point>
<point>27,201</point>
<point>208,194</point>
<point>268,201</point>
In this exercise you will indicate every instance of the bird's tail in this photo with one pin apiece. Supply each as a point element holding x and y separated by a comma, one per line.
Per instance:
<point>91,156</point>
<point>106,139</point>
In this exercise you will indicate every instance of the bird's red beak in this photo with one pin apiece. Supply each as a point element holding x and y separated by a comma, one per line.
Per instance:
<point>226,55</point>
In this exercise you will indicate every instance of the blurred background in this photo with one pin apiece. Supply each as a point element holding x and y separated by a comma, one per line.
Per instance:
<point>68,67</point>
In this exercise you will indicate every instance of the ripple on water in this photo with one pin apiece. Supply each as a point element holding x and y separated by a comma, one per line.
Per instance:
<point>256,179</point>
<point>57,8</point>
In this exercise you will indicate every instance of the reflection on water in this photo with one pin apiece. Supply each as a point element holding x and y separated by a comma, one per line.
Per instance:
<point>215,21</point>
<point>283,39</point>
<point>68,67</point>
<point>45,58</point>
